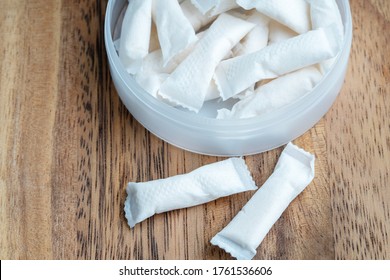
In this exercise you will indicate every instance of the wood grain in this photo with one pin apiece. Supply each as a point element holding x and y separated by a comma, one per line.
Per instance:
<point>68,146</point>
<point>359,154</point>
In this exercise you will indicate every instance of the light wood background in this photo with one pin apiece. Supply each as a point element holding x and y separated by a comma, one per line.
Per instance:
<point>68,147</point>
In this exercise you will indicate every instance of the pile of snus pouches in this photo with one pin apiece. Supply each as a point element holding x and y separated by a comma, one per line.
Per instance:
<point>262,53</point>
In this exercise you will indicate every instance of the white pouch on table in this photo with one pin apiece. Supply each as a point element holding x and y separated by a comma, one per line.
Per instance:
<point>202,185</point>
<point>275,94</point>
<point>187,85</point>
<point>135,34</point>
<point>237,74</point>
<point>175,32</point>
<point>295,14</point>
<point>293,172</point>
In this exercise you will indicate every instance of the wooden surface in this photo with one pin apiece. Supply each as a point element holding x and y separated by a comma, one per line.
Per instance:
<point>68,147</point>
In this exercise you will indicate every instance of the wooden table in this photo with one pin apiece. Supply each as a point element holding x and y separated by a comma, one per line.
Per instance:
<point>68,146</point>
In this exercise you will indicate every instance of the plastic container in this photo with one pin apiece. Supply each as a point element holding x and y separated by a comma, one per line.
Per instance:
<point>201,134</point>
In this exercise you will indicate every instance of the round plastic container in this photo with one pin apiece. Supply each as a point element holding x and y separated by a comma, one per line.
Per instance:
<point>201,134</point>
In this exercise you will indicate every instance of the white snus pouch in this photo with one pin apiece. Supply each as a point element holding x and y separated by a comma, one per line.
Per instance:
<point>234,75</point>
<point>204,5</point>
<point>196,18</point>
<point>175,31</point>
<point>293,172</point>
<point>214,7</point>
<point>295,14</point>
<point>275,94</point>
<point>187,86</point>
<point>279,32</point>
<point>222,6</point>
<point>135,34</point>
<point>323,14</point>
<point>153,72</point>
<point>202,185</point>
<point>256,39</point>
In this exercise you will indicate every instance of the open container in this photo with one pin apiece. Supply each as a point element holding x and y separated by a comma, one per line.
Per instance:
<point>201,134</point>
